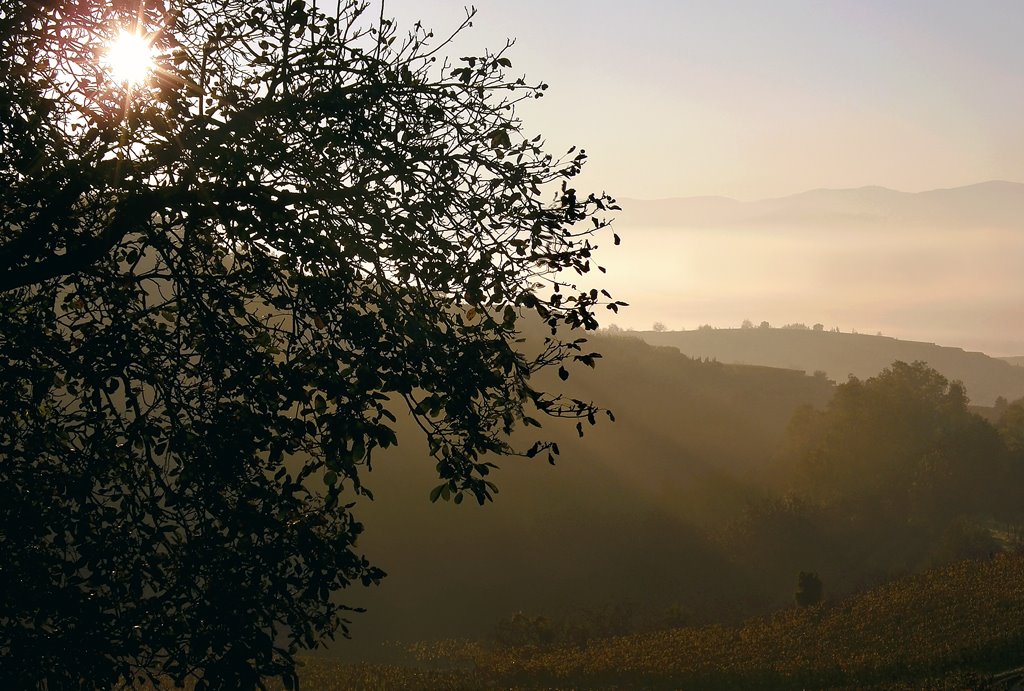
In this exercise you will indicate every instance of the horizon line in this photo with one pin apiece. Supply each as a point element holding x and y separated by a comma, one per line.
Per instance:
<point>820,189</point>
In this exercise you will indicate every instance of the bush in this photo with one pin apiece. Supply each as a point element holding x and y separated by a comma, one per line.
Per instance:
<point>809,589</point>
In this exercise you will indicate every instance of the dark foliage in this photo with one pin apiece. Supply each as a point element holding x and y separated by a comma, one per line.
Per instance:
<point>809,589</point>
<point>896,474</point>
<point>904,444</point>
<point>218,289</point>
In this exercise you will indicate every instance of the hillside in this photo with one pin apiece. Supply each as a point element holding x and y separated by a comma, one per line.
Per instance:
<point>842,354</point>
<point>964,617</point>
<point>616,520</point>
<point>674,507</point>
<point>951,628</point>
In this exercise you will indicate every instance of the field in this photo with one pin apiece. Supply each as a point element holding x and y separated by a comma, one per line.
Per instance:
<point>952,628</point>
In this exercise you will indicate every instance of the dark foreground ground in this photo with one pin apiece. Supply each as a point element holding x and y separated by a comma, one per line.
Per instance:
<point>959,627</point>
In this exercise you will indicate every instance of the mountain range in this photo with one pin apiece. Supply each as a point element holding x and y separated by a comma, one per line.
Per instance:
<point>993,204</point>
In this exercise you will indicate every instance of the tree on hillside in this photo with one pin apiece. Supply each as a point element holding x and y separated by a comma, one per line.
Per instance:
<point>219,285</point>
<point>809,589</point>
<point>1011,424</point>
<point>904,442</point>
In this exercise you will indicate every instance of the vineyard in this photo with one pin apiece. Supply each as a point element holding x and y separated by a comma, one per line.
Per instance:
<point>949,628</point>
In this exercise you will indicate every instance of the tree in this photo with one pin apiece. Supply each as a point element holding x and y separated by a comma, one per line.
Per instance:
<point>1011,424</point>
<point>904,443</point>
<point>220,286</point>
<point>659,327</point>
<point>809,589</point>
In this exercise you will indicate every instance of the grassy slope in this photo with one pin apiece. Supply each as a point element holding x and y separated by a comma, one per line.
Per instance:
<point>946,628</point>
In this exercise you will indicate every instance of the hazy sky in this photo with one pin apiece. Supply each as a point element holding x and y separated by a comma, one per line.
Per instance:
<point>761,98</point>
<point>756,98</point>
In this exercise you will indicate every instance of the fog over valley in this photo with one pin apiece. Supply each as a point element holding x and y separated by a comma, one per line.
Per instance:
<point>941,266</point>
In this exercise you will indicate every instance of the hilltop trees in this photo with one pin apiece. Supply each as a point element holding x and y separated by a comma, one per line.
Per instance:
<point>904,441</point>
<point>220,286</point>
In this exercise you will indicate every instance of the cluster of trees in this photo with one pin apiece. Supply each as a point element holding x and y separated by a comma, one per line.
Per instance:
<point>896,473</point>
<point>796,326</point>
<point>908,437</point>
<point>219,287</point>
<point>746,324</point>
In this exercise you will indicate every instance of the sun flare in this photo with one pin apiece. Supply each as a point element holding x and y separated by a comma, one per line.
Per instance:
<point>130,58</point>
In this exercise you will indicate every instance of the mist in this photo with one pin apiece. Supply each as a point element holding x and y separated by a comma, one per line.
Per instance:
<point>909,278</point>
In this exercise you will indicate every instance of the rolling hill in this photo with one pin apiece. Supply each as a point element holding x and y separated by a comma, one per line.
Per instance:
<point>842,354</point>
<point>618,519</point>
<point>635,511</point>
<point>954,627</point>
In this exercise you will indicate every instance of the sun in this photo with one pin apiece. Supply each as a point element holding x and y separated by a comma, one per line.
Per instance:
<point>129,58</point>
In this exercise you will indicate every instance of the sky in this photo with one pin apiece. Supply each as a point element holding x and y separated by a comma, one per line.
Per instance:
<point>753,99</point>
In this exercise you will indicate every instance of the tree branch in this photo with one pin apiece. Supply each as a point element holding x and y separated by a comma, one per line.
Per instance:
<point>76,258</point>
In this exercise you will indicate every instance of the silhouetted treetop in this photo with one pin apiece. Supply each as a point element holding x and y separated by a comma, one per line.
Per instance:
<point>904,439</point>
<point>218,289</point>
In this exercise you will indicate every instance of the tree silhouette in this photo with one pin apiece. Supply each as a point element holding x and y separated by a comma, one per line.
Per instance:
<point>219,287</point>
<point>809,589</point>
<point>904,442</point>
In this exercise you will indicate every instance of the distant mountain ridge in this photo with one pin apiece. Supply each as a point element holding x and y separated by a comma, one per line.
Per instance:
<point>842,354</point>
<point>992,204</point>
